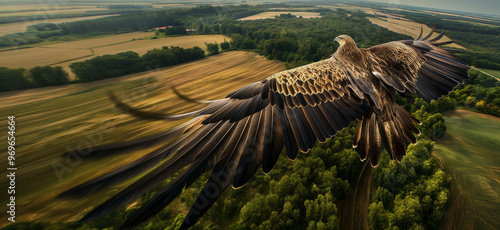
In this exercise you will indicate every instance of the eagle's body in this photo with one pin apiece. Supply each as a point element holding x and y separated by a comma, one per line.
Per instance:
<point>232,137</point>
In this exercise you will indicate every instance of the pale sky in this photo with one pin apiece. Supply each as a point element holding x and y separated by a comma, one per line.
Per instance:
<point>477,6</point>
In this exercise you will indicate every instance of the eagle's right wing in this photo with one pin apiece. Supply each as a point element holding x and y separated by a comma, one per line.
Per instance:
<point>232,137</point>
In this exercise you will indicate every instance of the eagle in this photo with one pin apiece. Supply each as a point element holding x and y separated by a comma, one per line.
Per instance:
<point>233,137</point>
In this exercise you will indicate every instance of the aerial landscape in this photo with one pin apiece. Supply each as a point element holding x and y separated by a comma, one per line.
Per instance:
<point>73,75</point>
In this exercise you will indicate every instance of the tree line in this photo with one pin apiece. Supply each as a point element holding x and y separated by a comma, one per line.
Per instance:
<point>97,68</point>
<point>40,76</point>
<point>116,65</point>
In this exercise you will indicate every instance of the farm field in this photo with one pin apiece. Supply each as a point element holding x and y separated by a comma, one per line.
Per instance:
<point>63,54</point>
<point>173,5</point>
<point>271,14</point>
<point>51,120</point>
<point>410,28</point>
<point>393,22</point>
<point>142,46</point>
<point>41,12</point>
<point>54,53</point>
<point>349,8</point>
<point>18,27</point>
<point>470,155</point>
<point>473,23</point>
<point>13,8</point>
<point>463,16</point>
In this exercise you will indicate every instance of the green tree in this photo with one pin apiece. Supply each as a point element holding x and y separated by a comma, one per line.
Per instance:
<point>378,217</point>
<point>321,213</point>
<point>212,48</point>
<point>224,45</point>
<point>433,126</point>
<point>13,79</point>
<point>46,75</point>
<point>236,40</point>
<point>248,44</point>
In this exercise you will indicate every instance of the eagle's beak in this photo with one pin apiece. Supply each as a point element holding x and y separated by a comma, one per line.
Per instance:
<point>337,39</point>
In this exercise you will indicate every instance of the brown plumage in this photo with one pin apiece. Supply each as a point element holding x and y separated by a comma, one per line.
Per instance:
<point>232,137</point>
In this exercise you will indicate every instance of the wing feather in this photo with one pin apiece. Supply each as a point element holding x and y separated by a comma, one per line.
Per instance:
<point>234,136</point>
<point>418,66</point>
<point>273,141</point>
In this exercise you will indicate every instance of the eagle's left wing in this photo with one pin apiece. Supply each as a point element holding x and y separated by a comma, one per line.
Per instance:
<point>419,66</point>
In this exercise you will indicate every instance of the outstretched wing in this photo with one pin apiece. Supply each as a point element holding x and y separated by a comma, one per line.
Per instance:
<point>232,137</point>
<point>418,66</point>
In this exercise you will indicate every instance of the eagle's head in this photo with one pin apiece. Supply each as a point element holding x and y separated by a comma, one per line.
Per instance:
<point>347,44</point>
<point>344,39</point>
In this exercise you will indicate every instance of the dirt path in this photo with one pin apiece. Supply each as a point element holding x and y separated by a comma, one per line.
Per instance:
<point>353,210</point>
<point>485,73</point>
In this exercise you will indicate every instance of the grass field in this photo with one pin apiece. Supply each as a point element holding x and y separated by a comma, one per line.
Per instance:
<point>470,154</point>
<point>50,120</point>
<point>65,53</point>
<point>18,27</point>
<point>495,73</point>
<point>272,14</point>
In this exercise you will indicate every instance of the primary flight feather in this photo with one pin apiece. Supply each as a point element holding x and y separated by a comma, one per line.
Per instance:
<point>232,137</point>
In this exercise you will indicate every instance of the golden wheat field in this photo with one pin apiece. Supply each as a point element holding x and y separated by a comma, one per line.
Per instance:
<point>18,27</point>
<point>457,15</point>
<point>272,14</point>
<point>51,120</point>
<point>63,54</point>
<point>407,27</point>
<point>142,46</point>
<point>50,11</point>
<point>172,5</point>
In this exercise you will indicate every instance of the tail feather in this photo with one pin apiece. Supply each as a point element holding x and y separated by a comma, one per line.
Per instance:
<point>389,130</point>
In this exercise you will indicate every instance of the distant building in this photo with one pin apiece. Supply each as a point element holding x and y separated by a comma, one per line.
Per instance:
<point>191,30</point>
<point>163,27</point>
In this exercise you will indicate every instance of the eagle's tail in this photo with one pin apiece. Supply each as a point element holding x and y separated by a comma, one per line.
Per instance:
<point>389,130</point>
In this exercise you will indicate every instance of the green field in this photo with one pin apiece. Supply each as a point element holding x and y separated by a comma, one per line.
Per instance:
<point>493,72</point>
<point>470,154</point>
